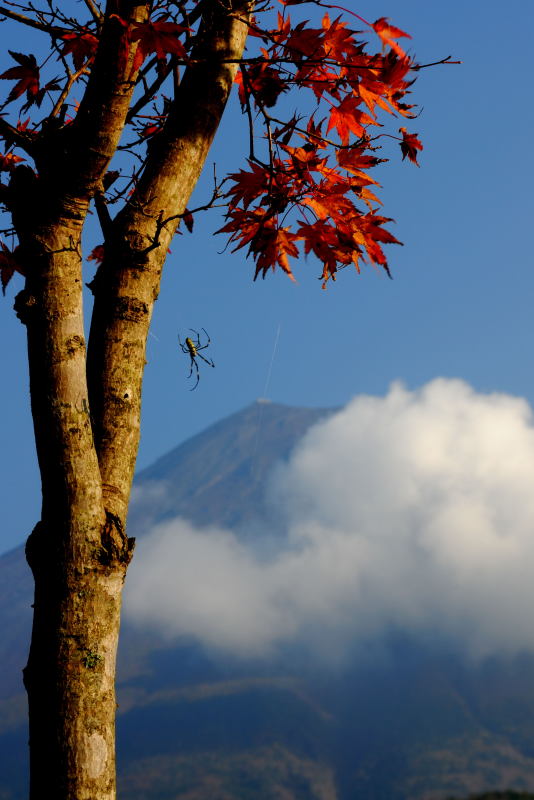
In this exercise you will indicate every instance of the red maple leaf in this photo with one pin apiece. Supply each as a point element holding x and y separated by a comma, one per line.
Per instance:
<point>269,243</point>
<point>263,82</point>
<point>305,41</point>
<point>339,40</point>
<point>249,184</point>
<point>321,239</point>
<point>388,33</point>
<point>189,220</point>
<point>394,69</point>
<point>329,200</point>
<point>26,75</point>
<point>355,161</point>
<point>81,46</point>
<point>347,118</point>
<point>8,161</point>
<point>156,37</point>
<point>305,159</point>
<point>150,129</point>
<point>368,231</point>
<point>369,198</point>
<point>8,265</point>
<point>272,246</point>
<point>372,94</point>
<point>97,254</point>
<point>410,145</point>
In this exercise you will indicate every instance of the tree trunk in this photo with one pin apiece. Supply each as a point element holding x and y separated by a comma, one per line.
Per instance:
<point>86,411</point>
<point>70,677</point>
<point>78,553</point>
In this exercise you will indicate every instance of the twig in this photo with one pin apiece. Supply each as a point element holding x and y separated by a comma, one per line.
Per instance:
<point>71,80</point>
<point>435,63</point>
<point>149,92</point>
<point>32,23</point>
<point>161,223</point>
<point>94,11</point>
<point>246,86</point>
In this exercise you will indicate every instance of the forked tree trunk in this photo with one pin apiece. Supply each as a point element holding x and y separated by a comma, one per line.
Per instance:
<point>86,407</point>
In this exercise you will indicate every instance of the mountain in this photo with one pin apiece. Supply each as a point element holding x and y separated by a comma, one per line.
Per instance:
<point>417,723</point>
<point>218,476</point>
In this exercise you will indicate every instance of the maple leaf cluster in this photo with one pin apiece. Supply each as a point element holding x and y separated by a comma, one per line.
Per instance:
<point>306,188</point>
<point>159,37</point>
<point>323,183</point>
<point>28,81</point>
<point>330,224</point>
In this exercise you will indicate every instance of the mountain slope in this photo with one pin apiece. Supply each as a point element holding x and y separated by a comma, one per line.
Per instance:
<point>417,724</point>
<point>218,477</point>
<point>215,477</point>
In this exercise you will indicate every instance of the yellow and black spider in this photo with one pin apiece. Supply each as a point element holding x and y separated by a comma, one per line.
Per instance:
<point>192,347</point>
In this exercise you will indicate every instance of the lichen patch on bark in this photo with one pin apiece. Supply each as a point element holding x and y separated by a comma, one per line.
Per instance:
<point>97,755</point>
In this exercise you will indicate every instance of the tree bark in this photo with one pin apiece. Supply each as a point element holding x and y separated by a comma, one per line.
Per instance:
<point>78,552</point>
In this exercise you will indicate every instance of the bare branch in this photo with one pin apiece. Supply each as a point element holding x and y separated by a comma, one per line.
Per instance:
<point>32,23</point>
<point>71,80</point>
<point>249,115</point>
<point>267,119</point>
<point>446,60</point>
<point>216,194</point>
<point>150,91</point>
<point>190,17</point>
<point>95,12</point>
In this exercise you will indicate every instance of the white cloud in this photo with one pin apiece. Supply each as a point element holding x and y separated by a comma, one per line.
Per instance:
<point>413,511</point>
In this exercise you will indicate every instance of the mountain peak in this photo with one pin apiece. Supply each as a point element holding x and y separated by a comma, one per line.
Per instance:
<point>230,458</point>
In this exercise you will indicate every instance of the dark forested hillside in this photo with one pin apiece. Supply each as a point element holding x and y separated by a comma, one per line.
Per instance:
<point>501,796</point>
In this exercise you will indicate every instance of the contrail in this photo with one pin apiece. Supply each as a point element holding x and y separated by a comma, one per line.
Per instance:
<point>269,371</point>
<point>260,405</point>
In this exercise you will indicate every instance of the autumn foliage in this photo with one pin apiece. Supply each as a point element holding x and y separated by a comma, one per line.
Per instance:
<point>307,185</point>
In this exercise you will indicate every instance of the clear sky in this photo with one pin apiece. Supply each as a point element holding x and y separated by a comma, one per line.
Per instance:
<point>460,304</point>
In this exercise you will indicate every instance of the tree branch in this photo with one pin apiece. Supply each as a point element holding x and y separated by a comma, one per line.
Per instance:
<point>95,12</point>
<point>150,91</point>
<point>104,217</point>
<point>32,23</point>
<point>71,80</point>
<point>446,60</point>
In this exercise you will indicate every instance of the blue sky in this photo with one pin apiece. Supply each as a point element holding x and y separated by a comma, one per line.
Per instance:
<point>460,304</point>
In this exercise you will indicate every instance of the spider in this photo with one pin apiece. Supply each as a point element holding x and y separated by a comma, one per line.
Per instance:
<point>192,347</point>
